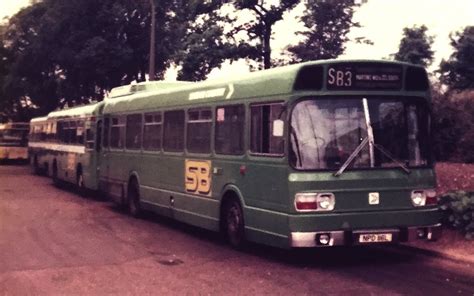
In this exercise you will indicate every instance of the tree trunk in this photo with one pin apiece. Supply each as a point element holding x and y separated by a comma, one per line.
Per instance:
<point>267,50</point>
<point>151,69</point>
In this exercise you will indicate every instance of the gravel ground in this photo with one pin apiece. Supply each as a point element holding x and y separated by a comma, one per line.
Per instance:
<point>55,242</point>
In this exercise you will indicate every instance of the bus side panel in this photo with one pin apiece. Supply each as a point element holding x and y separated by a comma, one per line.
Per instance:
<point>193,209</point>
<point>265,200</point>
<point>117,174</point>
<point>196,210</point>
<point>266,227</point>
<point>150,184</point>
<point>162,190</point>
<point>88,162</point>
<point>169,173</point>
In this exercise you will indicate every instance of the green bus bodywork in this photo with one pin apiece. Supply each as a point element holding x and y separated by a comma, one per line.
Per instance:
<point>265,184</point>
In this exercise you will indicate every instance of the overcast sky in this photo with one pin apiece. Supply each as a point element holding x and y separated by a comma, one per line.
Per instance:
<point>382,22</point>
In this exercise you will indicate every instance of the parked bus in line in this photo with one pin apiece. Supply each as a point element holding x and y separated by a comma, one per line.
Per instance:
<point>310,155</point>
<point>14,141</point>
<point>63,146</point>
<point>63,143</point>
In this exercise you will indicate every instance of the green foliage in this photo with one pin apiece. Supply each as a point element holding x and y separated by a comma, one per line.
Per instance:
<point>458,209</point>
<point>261,27</point>
<point>458,71</point>
<point>70,52</point>
<point>202,43</point>
<point>415,47</point>
<point>327,23</point>
<point>453,126</point>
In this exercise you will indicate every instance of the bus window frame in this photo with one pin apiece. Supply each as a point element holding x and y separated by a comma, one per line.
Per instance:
<point>244,131</point>
<point>285,127</point>
<point>106,133</point>
<point>121,124</point>
<point>140,141</point>
<point>163,136</point>
<point>198,121</point>
<point>153,123</point>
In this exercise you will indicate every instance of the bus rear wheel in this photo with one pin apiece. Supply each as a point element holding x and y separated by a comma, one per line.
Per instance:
<point>55,174</point>
<point>81,188</point>
<point>133,200</point>
<point>36,168</point>
<point>234,223</point>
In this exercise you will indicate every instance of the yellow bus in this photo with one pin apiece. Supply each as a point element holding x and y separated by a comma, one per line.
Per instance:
<point>14,141</point>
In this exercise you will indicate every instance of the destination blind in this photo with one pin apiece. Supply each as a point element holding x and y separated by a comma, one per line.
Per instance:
<point>364,76</point>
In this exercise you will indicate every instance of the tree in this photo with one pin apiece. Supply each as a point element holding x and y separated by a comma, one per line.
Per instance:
<point>415,46</point>
<point>453,128</point>
<point>22,66</point>
<point>458,71</point>
<point>71,52</point>
<point>203,45</point>
<point>327,23</point>
<point>261,28</point>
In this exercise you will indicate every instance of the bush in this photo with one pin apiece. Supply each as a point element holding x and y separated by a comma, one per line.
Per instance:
<point>453,126</point>
<point>458,209</point>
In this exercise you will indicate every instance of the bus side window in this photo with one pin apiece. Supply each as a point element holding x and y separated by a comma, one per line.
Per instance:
<point>98,136</point>
<point>65,135</point>
<point>90,137</point>
<point>134,132</point>
<point>117,132</point>
<point>263,138</point>
<point>199,131</point>
<point>80,132</point>
<point>173,137</point>
<point>105,141</point>
<point>152,131</point>
<point>229,133</point>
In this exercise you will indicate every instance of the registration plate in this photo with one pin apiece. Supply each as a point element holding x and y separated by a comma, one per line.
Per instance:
<point>367,238</point>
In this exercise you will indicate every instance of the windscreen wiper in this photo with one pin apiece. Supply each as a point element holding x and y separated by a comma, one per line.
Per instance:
<point>351,157</point>
<point>392,158</point>
<point>380,148</point>
<point>369,140</point>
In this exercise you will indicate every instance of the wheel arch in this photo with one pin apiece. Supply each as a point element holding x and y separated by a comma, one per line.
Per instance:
<point>79,169</point>
<point>55,165</point>
<point>230,191</point>
<point>133,177</point>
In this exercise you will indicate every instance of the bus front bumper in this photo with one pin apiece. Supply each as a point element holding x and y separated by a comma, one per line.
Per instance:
<point>364,237</point>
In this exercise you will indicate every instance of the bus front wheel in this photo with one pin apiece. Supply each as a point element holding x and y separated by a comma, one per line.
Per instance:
<point>234,223</point>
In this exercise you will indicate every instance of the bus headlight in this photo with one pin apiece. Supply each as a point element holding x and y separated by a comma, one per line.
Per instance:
<point>306,202</point>
<point>424,197</point>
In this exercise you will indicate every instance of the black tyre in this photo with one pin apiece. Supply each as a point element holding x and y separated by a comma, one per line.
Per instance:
<point>54,175</point>
<point>80,186</point>
<point>133,200</point>
<point>234,227</point>
<point>36,168</point>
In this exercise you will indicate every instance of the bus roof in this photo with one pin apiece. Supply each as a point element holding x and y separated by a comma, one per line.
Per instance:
<point>80,111</point>
<point>133,88</point>
<point>268,82</point>
<point>265,83</point>
<point>39,119</point>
